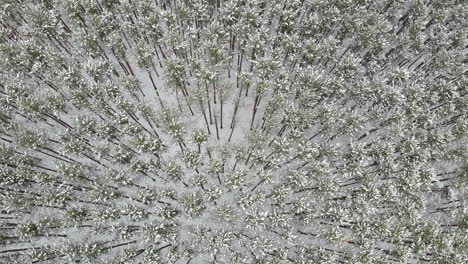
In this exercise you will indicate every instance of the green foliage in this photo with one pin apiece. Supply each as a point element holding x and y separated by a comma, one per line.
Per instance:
<point>76,214</point>
<point>193,204</point>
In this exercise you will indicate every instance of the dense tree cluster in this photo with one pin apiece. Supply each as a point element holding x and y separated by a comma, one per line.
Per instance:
<point>233,131</point>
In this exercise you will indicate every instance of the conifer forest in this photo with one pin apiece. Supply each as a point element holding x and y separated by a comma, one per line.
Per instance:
<point>233,131</point>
